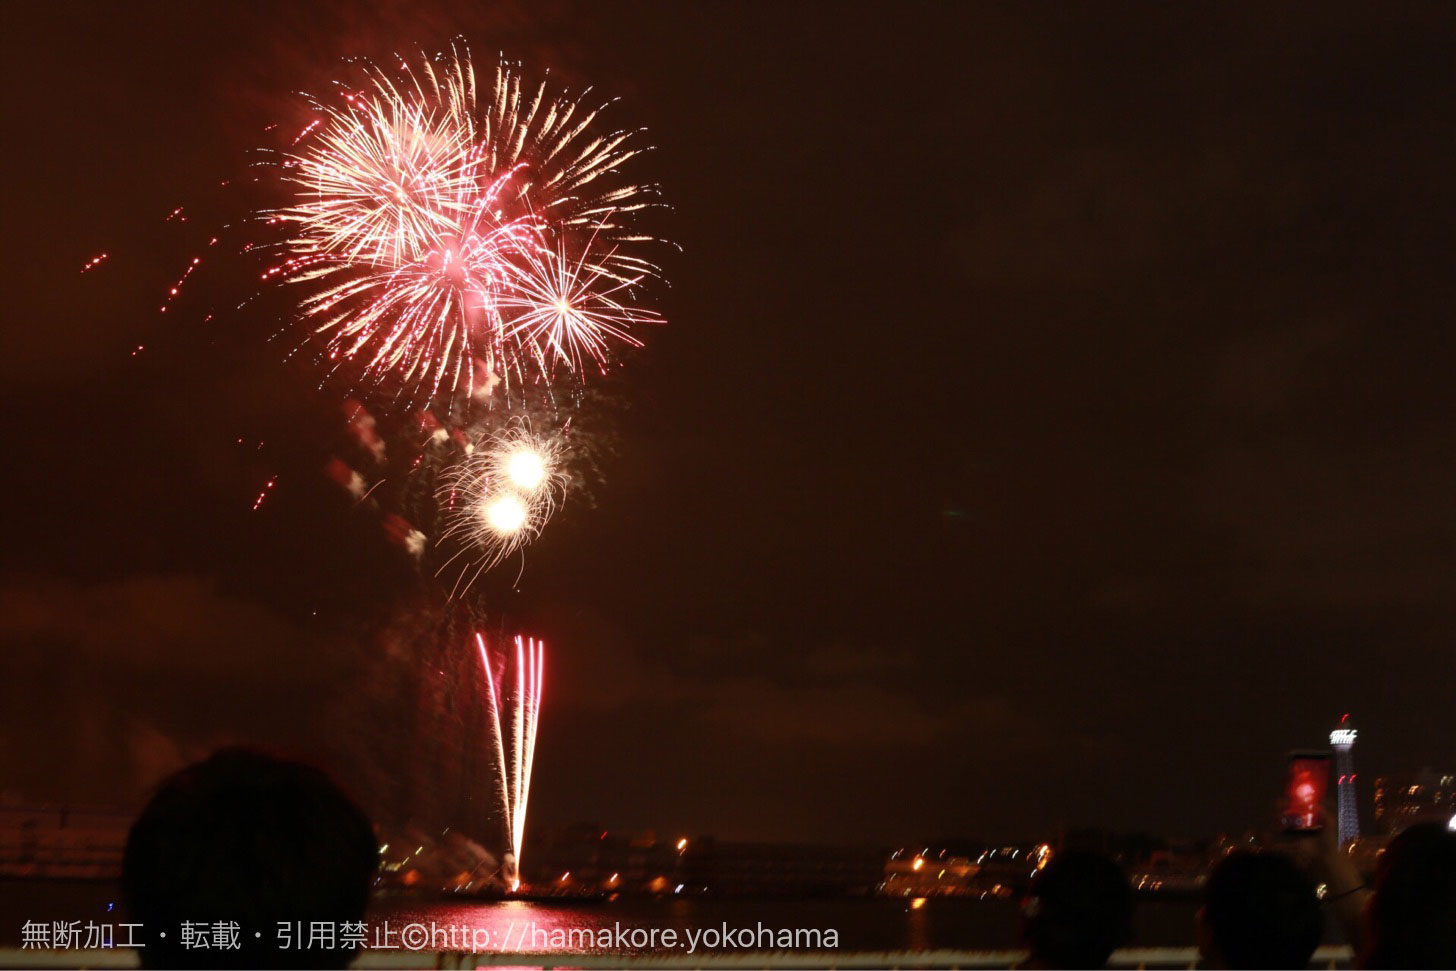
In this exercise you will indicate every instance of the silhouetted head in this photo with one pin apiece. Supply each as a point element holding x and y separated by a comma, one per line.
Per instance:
<point>254,839</point>
<point>1259,911</point>
<point>1413,910</point>
<point>1077,912</point>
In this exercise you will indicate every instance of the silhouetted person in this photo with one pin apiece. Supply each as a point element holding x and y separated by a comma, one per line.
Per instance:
<point>1077,912</point>
<point>1259,911</point>
<point>249,838</point>
<point>1413,911</point>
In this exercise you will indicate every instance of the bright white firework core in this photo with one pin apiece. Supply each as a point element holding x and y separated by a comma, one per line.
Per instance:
<point>505,514</point>
<point>526,468</point>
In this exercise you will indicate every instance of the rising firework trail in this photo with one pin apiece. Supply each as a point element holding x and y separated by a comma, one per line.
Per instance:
<point>515,715</point>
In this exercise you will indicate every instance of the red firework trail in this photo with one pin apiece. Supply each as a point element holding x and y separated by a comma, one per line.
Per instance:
<point>513,736</point>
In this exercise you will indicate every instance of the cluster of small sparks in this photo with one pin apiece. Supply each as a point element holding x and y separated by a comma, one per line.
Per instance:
<point>514,718</point>
<point>444,233</point>
<point>498,498</point>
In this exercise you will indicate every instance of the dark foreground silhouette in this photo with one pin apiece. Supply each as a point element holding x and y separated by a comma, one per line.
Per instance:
<point>1412,914</point>
<point>1077,912</point>
<point>247,839</point>
<point>1259,911</point>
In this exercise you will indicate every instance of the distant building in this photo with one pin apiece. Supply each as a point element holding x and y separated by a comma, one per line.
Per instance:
<point>1403,798</point>
<point>779,869</point>
<point>63,843</point>
<point>1342,739</point>
<point>589,857</point>
<point>912,874</point>
<point>447,861</point>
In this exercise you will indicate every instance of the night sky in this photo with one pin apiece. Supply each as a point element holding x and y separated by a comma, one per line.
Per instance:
<point>1054,427</point>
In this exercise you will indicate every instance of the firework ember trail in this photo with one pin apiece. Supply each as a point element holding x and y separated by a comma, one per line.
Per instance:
<point>515,714</point>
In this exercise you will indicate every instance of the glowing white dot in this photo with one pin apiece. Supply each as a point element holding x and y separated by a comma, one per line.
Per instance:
<point>505,514</point>
<point>526,468</point>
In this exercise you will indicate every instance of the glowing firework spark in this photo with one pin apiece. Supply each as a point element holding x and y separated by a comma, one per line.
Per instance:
<point>505,514</point>
<point>515,746</point>
<point>497,499</point>
<point>176,289</point>
<point>432,223</point>
<point>562,309</point>
<point>264,492</point>
<point>526,469</point>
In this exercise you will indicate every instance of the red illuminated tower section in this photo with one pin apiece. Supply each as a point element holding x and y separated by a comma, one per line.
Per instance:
<point>1342,739</point>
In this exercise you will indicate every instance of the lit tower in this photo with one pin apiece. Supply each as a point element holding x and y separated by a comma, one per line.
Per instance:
<point>1342,738</point>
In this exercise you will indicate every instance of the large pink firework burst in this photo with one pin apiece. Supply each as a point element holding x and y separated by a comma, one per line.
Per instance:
<point>431,226</point>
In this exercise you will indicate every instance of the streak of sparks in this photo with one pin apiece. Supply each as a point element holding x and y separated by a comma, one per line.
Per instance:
<point>176,288</point>
<point>94,262</point>
<point>307,129</point>
<point>515,746</point>
<point>264,492</point>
